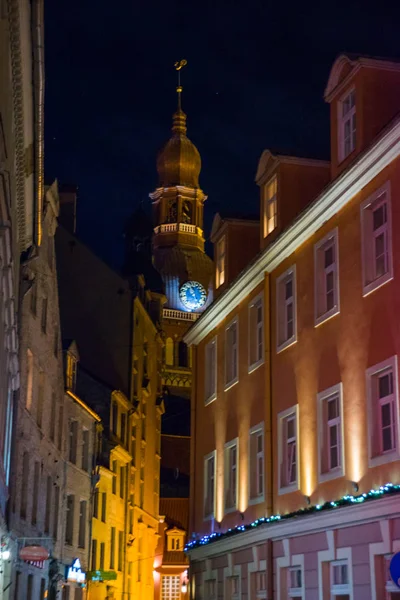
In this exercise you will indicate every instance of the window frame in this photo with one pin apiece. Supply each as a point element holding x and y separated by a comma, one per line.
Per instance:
<point>286,488</point>
<point>232,444</point>
<point>220,260</point>
<point>340,589</point>
<point>257,429</point>
<point>322,397</point>
<point>210,456</point>
<point>253,305</point>
<point>342,119</point>
<point>297,592</point>
<point>323,314</point>
<point>280,282</point>
<point>235,379</point>
<point>371,374</point>
<point>267,202</point>
<point>370,285</point>
<point>213,396</point>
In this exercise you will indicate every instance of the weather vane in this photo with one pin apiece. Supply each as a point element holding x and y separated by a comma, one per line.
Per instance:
<point>178,66</point>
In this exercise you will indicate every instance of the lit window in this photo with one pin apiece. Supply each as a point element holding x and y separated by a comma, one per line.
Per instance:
<point>210,381</point>
<point>295,582</point>
<point>347,125</point>
<point>256,333</point>
<point>73,441</point>
<point>231,475</point>
<point>383,408</point>
<point>330,437</point>
<point>170,587</point>
<point>270,206</point>
<point>44,315</point>
<point>376,239</point>
<point>220,262</point>
<point>71,372</point>
<point>231,354</point>
<point>288,467</point>
<point>257,464</point>
<point>286,308</point>
<point>29,379</point>
<point>209,485</point>
<point>340,584</point>
<point>326,277</point>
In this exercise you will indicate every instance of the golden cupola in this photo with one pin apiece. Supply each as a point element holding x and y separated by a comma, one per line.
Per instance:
<point>179,162</point>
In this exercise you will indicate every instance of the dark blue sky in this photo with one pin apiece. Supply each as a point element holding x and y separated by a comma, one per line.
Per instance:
<point>255,79</point>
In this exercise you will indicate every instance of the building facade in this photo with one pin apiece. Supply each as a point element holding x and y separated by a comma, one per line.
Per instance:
<point>296,484</point>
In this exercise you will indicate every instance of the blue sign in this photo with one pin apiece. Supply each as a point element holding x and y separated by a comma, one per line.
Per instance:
<point>394,569</point>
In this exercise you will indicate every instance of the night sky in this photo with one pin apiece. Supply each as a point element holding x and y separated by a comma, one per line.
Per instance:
<point>255,79</point>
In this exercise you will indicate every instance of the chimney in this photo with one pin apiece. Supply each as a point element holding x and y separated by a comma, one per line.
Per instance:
<point>68,197</point>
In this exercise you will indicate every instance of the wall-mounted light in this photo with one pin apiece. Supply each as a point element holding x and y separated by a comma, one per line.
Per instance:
<point>242,516</point>
<point>308,500</point>
<point>355,486</point>
<point>5,554</point>
<point>184,588</point>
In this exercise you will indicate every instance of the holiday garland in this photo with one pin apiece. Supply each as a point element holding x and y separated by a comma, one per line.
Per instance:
<point>349,500</point>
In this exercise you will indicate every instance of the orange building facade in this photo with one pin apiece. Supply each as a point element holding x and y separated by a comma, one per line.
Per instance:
<point>295,403</point>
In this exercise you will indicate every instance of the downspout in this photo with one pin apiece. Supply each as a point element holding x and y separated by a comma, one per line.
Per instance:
<point>269,444</point>
<point>38,77</point>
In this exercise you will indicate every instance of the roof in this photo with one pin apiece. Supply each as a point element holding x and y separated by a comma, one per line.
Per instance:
<point>174,557</point>
<point>176,512</point>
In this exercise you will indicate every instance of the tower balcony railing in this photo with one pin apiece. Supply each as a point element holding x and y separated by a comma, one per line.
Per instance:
<point>170,313</point>
<point>183,227</point>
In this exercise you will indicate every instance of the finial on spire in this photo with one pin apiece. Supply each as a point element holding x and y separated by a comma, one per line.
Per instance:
<point>178,66</point>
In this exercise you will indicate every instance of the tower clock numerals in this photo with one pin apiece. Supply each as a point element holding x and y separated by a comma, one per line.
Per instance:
<point>192,295</point>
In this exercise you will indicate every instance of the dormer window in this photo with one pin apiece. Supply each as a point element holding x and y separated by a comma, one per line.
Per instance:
<point>347,125</point>
<point>71,372</point>
<point>175,540</point>
<point>220,262</point>
<point>270,219</point>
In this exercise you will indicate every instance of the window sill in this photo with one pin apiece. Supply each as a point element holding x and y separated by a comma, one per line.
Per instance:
<point>376,284</point>
<point>210,399</point>
<point>255,366</point>
<point>329,475</point>
<point>288,489</point>
<point>382,459</point>
<point>228,511</point>
<point>229,385</point>
<point>286,344</point>
<point>257,500</point>
<point>327,316</point>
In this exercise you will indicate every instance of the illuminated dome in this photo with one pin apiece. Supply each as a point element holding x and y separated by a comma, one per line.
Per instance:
<point>179,162</point>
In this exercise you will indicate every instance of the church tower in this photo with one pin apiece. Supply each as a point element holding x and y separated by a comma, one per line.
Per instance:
<point>178,246</point>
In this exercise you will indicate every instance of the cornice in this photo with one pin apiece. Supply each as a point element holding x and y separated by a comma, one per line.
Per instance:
<point>337,519</point>
<point>334,198</point>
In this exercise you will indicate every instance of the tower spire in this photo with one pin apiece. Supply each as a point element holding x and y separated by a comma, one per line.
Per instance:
<point>178,67</point>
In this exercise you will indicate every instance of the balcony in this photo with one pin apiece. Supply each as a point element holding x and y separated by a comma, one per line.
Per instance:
<point>178,227</point>
<point>170,313</point>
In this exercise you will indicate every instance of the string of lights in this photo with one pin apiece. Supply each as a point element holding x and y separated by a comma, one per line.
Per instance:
<point>349,500</point>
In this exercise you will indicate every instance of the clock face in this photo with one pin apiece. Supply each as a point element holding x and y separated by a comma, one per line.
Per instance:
<point>192,295</point>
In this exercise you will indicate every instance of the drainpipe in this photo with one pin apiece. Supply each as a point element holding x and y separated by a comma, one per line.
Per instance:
<point>38,93</point>
<point>269,444</point>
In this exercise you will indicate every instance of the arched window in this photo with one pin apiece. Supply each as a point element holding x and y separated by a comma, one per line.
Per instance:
<point>169,351</point>
<point>183,355</point>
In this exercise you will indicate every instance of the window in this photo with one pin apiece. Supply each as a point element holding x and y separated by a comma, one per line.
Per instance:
<point>259,585</point>
<point>256,464</point>
<point>60,426</point>
<point>36,485</point>
<point>114,479</point>
<point>65,592</point>
<point>29,588</point>
<point>175,542</point>
<point>49,489</point>
<point>295,582</point>
<point>210,589</point>
<point>326,277</point>
<point>96,503</point>
<point>102,555</point>
<point>25,484</point>
<point>270,206</point>
<point>34,298</point>
<point>122,470</point>
<point>29,379</point>
<point>123,429</point>
<point>42,594</point>
<point>44,315</point>
<point>112,548</point>
<point>85,449</point>
<point>383,412</point>
<point>52,424</point>
<point>209,484</point>
<point>104,507</point>
<point>233,587</point>
<point>71,372</point>
<point>210,381</point>
<point>82,524</point>
<point>288,467</point>
<point>231,354</point>
<point>220,262</point>
<point>40,402</point>
<point>183,355</point>
<point>286,308</point>
<point>94,555</point>
<point>169,351</point>
<point>115,418</point>
<point>386,588</point>
<point>256,333</point>
<point>376,230</point>
<point>231,475</point>
<point>170,587</point>
<point>69,527</point>
<point>120,549</point>
<point>73,441</point>
<point>347,125</point>
<point>56,342</point>
<point>330,451</point>
<point>56,509</point>
<point>340,583</point>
